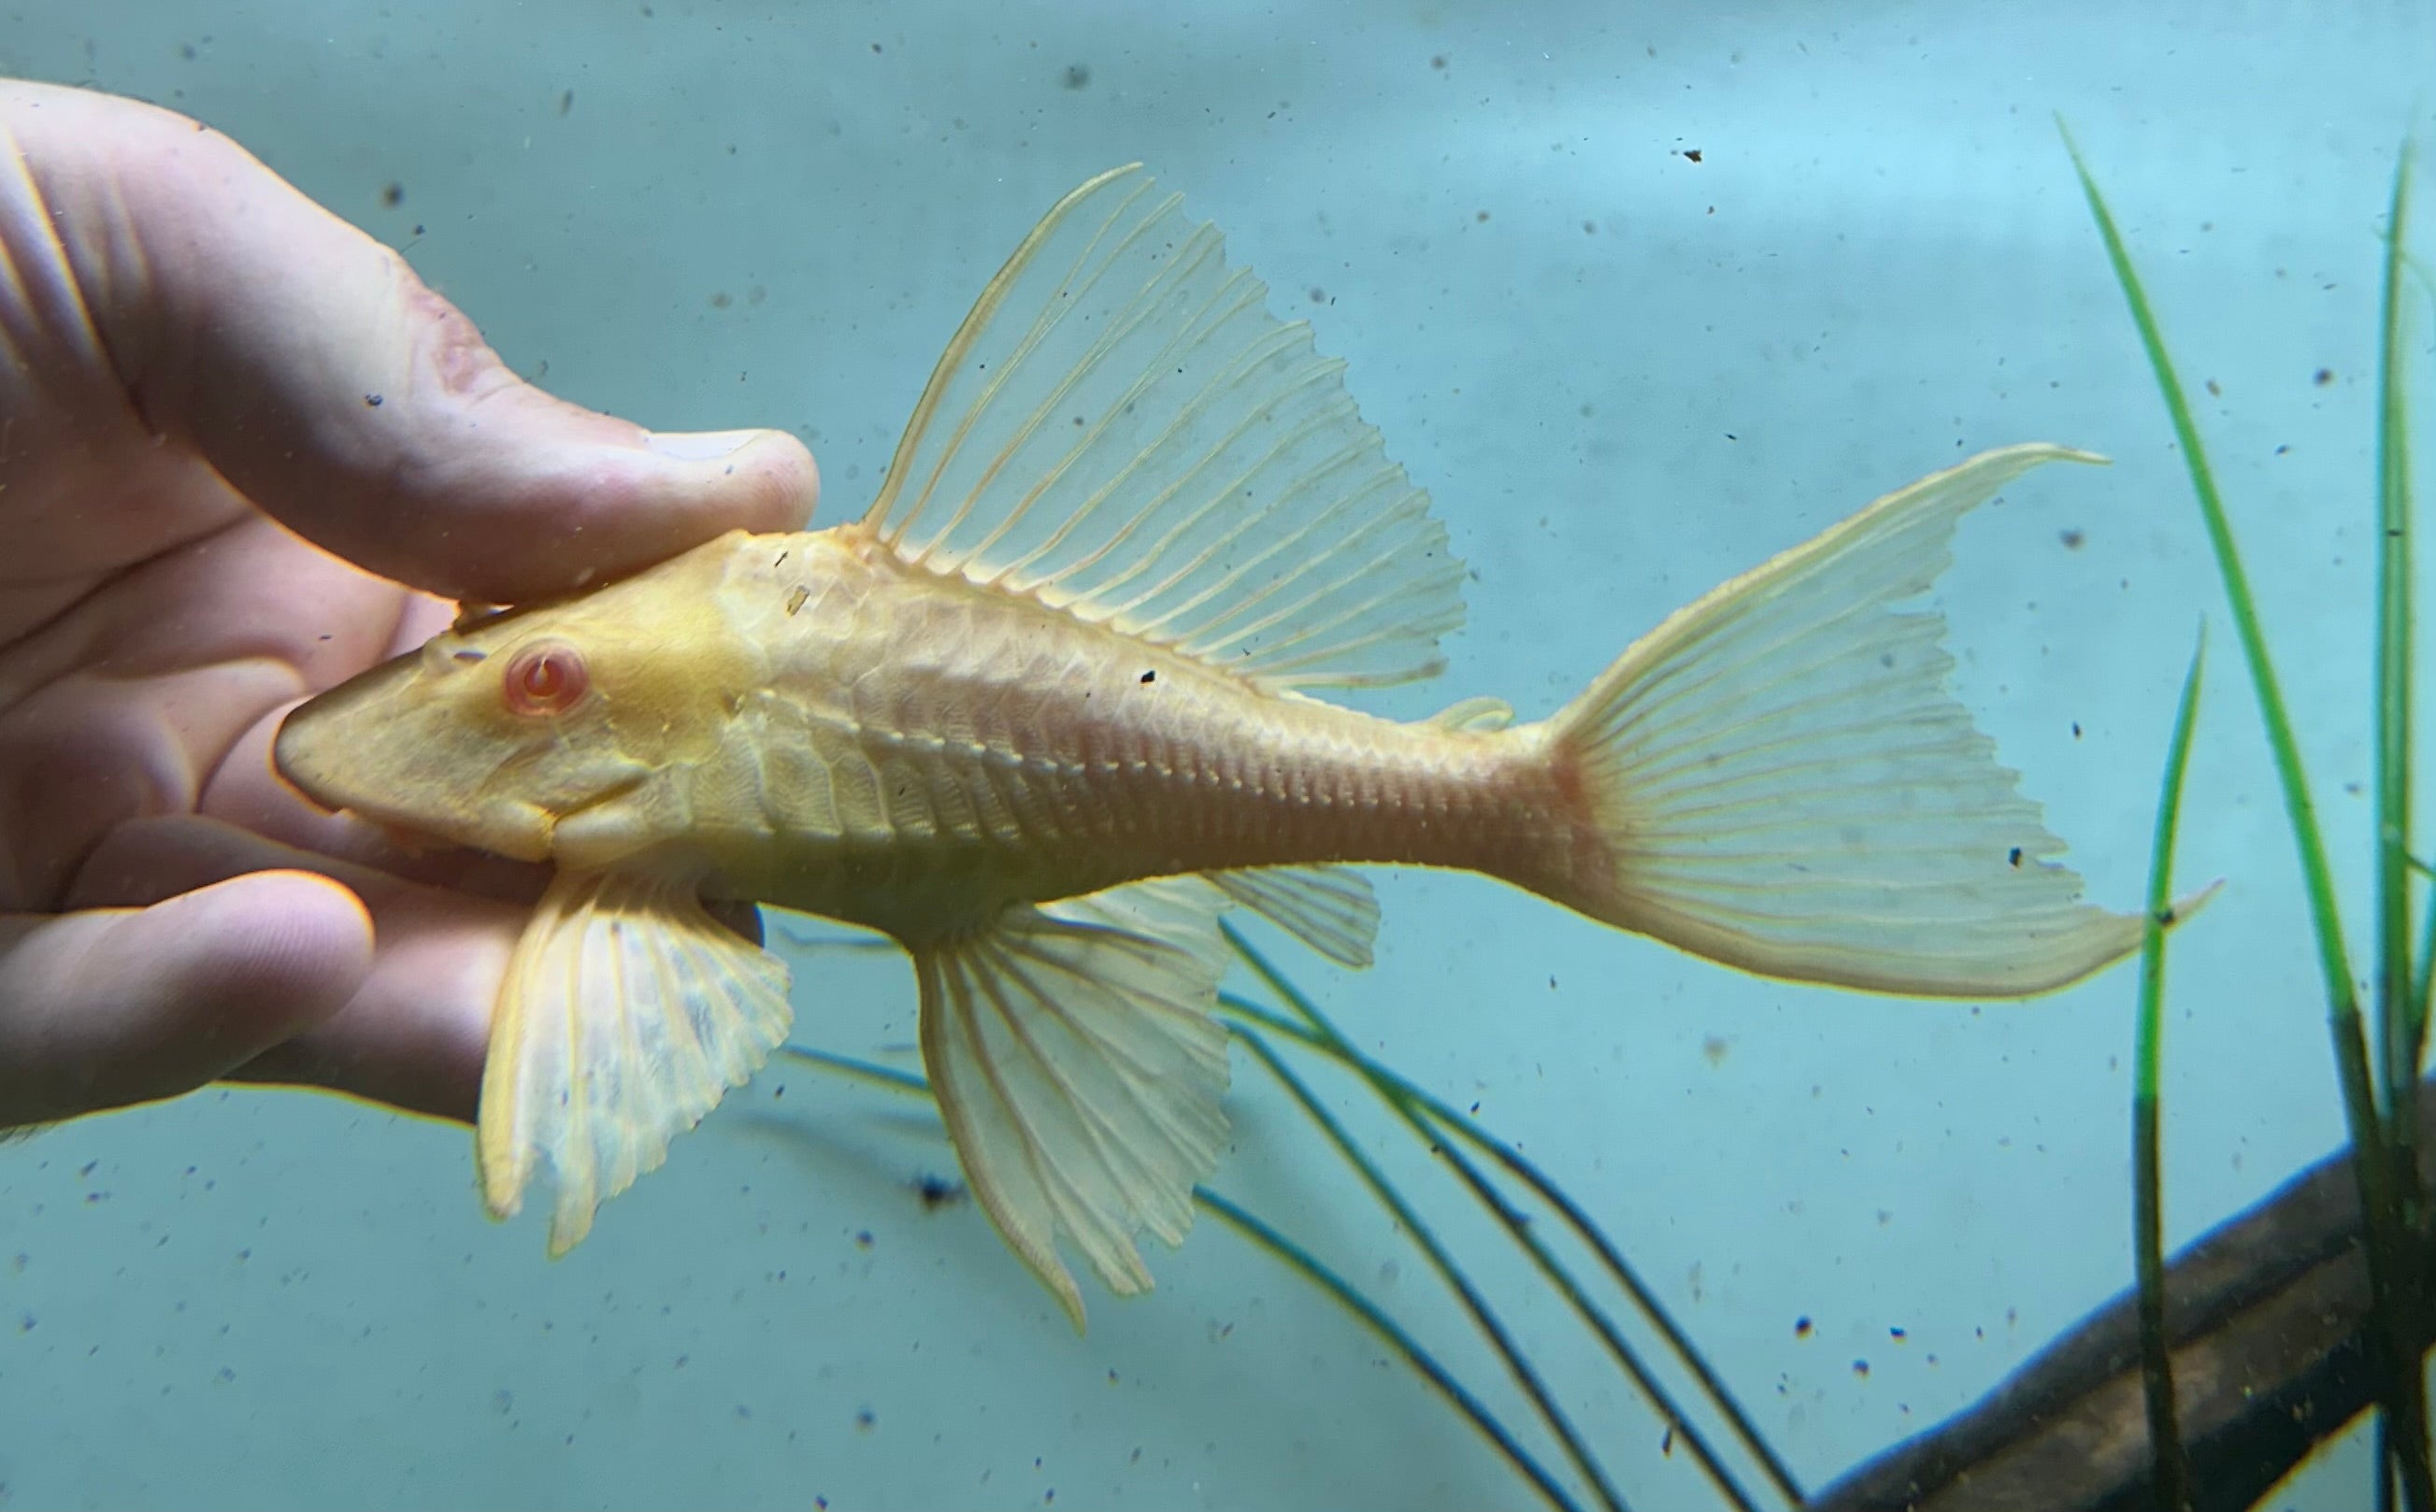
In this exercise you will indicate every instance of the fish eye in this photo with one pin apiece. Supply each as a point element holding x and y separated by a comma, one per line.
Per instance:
<point>545,679</point>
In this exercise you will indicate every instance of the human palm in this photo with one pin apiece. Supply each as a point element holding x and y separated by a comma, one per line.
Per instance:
<point>212,386</point>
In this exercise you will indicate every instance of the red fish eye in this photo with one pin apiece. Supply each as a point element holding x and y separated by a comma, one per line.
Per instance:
<point>545,680</point>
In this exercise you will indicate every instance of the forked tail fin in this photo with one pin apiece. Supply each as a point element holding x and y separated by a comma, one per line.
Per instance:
<point>1778,777</point>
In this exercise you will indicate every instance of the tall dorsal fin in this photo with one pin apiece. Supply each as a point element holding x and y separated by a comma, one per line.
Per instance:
<point>1122,429</point>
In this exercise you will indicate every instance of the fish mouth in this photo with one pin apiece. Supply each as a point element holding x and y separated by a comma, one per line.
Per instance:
<point>592,832</point>
<point>323,754</point>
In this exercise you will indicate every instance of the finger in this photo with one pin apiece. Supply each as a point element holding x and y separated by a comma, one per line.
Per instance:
<point>318,374</point>
<point>110,1007</point>
<point>413,1033</point>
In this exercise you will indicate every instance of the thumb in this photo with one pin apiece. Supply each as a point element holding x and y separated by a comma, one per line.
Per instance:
<point>112,1006</point>
<point>315,371</point>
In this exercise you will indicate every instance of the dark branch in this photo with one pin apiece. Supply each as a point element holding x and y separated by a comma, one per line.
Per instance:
<point>2268,1315</point>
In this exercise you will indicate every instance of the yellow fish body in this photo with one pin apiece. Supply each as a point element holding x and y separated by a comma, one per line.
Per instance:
<point>1040,716</point>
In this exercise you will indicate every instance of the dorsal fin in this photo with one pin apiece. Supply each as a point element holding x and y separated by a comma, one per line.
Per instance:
<point>1122,429</point>
<point>1474,716</point>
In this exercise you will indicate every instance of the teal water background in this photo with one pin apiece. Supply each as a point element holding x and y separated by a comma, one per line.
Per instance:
<point>1625,371</point>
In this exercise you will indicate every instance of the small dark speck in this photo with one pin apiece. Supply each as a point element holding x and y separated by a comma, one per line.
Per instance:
<point>875,47</point>
<point>2215,388</point>
<point>1899,1335</point>
<point>862,1238</point>
<point>372,401</point>
<point>1802,1328</point>
<point>722,299</point>
<point>2322,376</point>
<point>2165,918</point>
<point>1861,1368</point>
<point>2075,729</point>
<point>1318,295</point>
<point>2013,858</point>
<point>1589,228</point>
<point>186,51</point>
<point>937,1192</point>
<point>1480,215</point>
<point>392,194</point>
<point>866,1420</point>
<point>1078,76</point>
<point>1731,436</point>
<point>1691,154</point>
<point>2072,539</point>
<point>1150,677</point>
<point>324,638</point>
<point>566,102</point>
<point>1666,1442</point>
<point>1438,61</point>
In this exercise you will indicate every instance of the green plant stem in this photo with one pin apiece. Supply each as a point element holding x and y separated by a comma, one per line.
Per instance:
<point>860,1070</point>
<point>1517,1363</point>
<point>1518,1225</point>
<point>1294,1258</point>
<point>2403,1395</point>
<point>1298,1259</point>
<point>2401,1012</point>
<point>1410,1101</point>
<point>2173,1468</point>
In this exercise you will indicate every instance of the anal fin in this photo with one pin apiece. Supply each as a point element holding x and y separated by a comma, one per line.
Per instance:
<point>1328,908</point>
<point>1079,1070</point>
<point>626,1014</point>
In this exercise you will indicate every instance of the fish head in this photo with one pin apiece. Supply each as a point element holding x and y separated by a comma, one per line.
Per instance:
<point>563,731</point>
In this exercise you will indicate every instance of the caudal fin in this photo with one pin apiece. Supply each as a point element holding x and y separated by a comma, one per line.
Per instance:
<point>1780,779</point>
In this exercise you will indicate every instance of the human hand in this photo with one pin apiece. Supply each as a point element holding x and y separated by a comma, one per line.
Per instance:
<point>198,356</point>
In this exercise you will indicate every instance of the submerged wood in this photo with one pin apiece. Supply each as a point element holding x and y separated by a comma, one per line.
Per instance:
<point>2269,1317</point>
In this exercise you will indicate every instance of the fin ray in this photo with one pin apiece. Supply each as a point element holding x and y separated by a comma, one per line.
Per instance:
<point>1331,908</point>
<point>1122,429</point>
<point>1785,782</point>
<point>626,1014</point>
<point>1079,1071</point>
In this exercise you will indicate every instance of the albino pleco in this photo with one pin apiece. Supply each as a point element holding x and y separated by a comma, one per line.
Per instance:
<point>1041,716</point>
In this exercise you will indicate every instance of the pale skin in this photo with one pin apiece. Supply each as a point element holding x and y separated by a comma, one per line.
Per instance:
<point>191,346</point>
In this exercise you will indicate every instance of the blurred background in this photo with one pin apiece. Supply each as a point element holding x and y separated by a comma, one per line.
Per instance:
<point>1641,293</point>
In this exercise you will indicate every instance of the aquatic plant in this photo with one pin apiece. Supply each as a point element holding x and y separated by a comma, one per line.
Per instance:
<point>2380,1097</point>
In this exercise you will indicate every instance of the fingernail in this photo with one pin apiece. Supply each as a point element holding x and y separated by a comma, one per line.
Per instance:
<point>699,446</point>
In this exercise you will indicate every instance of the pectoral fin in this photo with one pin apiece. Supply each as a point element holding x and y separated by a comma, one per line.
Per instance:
<point>1079,1071</point>
<point>626,1014</point>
